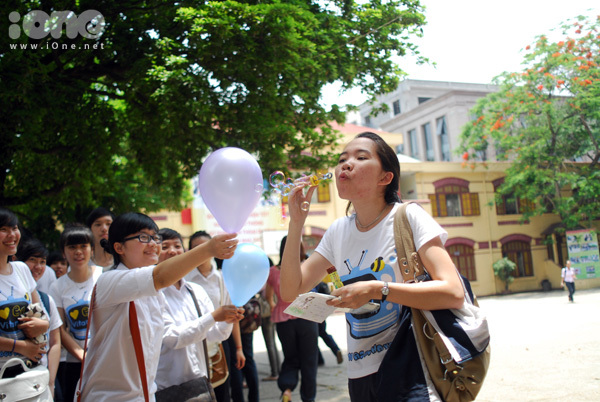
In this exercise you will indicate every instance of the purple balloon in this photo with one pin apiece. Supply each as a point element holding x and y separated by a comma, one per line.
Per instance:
<point>231,184</point>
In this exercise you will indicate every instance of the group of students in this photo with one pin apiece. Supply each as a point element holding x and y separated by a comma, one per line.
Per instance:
<point>144,270</point>
<point>360,246</point>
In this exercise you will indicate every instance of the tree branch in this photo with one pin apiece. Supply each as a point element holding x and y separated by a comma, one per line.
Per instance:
<point>591,135</point>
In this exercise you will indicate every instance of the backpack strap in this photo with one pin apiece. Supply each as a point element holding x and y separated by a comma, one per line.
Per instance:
<point>45,301</point>
<point>189,288</point>
<point>221,289</point>
<point>409,261</point>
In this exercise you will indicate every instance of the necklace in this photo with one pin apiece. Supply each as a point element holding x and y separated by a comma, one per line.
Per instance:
<point>360,225</point>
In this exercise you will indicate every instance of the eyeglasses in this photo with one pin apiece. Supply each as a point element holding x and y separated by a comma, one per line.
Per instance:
<point>145,238</point>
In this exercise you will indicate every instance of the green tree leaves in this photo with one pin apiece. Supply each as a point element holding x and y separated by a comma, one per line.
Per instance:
<point>124,125</point>
<point>546,121</point>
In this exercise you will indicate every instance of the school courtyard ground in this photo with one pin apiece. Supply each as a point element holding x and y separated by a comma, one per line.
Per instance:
<point>543,349</point>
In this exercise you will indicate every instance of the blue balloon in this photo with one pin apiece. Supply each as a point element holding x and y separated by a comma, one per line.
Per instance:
<point>245,273</point>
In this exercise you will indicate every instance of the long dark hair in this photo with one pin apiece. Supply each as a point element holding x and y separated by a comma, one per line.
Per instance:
<point>389,163</point>
<point>123,226</point>
<point>99,212</point>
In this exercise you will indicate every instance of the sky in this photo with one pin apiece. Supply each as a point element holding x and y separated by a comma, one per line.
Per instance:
<point>476,40</point>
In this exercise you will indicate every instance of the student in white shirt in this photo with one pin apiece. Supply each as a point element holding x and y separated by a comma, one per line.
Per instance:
<point>568,276</point>
<point>72,293</point>
<point>209,277</point>
<point>17,290</point>
<point>361,248</point>
<point>99,221</point>
<point>33,253</point>
<point>182,354</point>
<point>111,371</point>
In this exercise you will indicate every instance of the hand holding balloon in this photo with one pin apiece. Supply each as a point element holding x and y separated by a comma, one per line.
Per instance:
<point>229,313</point>
<point>223,246</point>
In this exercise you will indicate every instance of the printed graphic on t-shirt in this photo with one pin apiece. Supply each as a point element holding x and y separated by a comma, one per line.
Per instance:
<point>11,309</point>
<point>77,315</point>
<point>363,268</point>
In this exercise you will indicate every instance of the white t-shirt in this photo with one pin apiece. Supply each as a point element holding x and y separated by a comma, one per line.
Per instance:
<point>111,372</point>
<point>74,299</point>
<point>568,274</point>
<point>15,295</point>
<point>55,322</point>
<point>371,255</point>
<point>182,355</point>
<point>47,279</point>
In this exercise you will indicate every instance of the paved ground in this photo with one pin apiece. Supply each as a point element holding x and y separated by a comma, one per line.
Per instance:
<point>543,349</point>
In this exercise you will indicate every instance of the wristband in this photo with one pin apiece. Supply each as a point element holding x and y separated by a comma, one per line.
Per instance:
<point>238,347</point>
<point>14,344</point>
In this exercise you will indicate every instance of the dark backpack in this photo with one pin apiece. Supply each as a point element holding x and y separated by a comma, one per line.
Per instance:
<point>252,316</point>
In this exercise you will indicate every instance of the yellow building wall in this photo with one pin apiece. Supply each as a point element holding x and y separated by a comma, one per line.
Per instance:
<point>488,228</point>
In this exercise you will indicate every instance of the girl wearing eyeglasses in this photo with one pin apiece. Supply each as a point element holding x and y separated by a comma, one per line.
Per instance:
<point>111,369</point>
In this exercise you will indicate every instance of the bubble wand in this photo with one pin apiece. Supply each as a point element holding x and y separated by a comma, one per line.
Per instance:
<point>284,187</point>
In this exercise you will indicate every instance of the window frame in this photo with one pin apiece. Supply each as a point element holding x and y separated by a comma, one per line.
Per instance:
<point>444,140</point>
<point>428,141</point>
<point>469,202</point>
<point>519,252</point>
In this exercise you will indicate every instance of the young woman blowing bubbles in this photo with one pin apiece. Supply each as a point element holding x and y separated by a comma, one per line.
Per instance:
<point>111,371</point>
<point>361,247</point>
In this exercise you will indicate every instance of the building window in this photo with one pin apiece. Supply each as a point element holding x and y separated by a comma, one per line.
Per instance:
<point>368,121</point>
<point>400,149</point>
<point>423,99</point>
<point>519,252</point>
<point>414,144</point>
<point>463,257</point>
<point>428,140</point>
<point>452,198</point>
<point>396,106</point>
<point>442,134</point>
<point>509,204</point>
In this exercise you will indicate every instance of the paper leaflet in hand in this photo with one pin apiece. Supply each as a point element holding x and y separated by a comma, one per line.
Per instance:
<point>313,306</point>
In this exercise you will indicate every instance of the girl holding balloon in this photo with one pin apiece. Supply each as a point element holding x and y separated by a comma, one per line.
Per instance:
<point>368,176</point>
<point>111,370</point>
